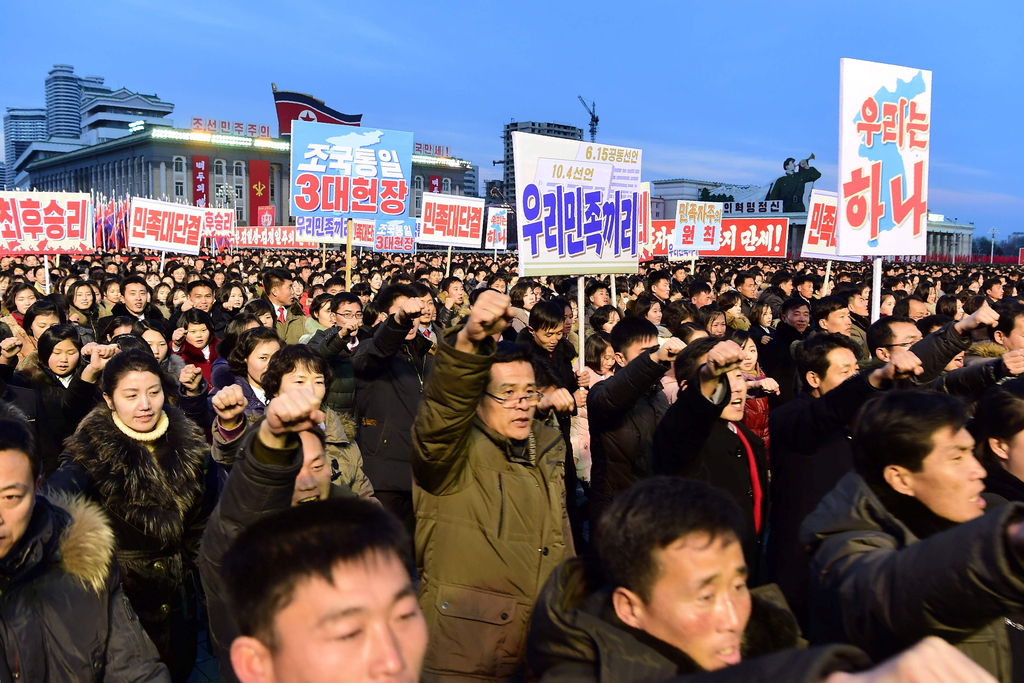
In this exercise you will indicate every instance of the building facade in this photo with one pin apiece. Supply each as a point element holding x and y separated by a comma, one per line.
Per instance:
<point>949,240</point>
<point>22,127</point>
<point>63,102</point>
<point>447,175</point>
<point>555,130</point>
<point>471,183</point>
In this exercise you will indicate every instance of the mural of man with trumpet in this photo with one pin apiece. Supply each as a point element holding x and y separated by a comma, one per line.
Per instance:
<point>790,187</point>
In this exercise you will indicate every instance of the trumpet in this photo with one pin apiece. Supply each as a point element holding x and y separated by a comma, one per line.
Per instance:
<point>807,161</point>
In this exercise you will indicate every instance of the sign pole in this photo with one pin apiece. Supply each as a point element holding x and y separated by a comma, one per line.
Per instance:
<point>828,276</point>
<point>323,258</point>
<point>348,256</point>
<point>876,290</point>
<point>46,263</point>
<point>615,298</point>
<point>448,266</point>
<point>693,263</point>
<point>580,286</point>
<point>163,257</point>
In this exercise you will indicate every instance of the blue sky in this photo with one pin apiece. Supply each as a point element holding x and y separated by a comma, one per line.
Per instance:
<point>713,91</point>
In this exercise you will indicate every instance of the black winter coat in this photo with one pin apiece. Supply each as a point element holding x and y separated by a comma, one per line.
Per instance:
<point>341,394</point>
<point>774,297</point>
<point>30,405</point>
<point>693,442</point>
<point>65,406</point>
<point>64,616</point>
<point>150,312</point>
<point>623,412</point>
<point>880,586</point>
<point>776,360</point>
<point>390,373</point>
<point>158,509</point>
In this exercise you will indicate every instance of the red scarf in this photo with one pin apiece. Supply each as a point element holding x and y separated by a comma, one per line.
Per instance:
<point>18,318</point>
<point>755,481</point>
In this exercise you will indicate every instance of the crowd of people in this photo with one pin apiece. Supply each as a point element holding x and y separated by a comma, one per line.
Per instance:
<point>427,473</point>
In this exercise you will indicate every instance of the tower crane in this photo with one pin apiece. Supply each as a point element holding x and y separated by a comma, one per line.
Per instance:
<point>592,110</point>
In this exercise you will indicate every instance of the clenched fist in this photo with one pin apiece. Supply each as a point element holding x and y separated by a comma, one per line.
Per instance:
<point>229,403</point>
<point>490,315</point>
<point>410,309</point>
<point>724,357</point>
<point>190,378</point>
<point>668,351</point>
<point>295,411</point>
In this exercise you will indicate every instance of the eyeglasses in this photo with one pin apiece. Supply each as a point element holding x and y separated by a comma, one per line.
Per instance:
<point>349,315</point>
<point>904,345</point>
<point>509,402</point>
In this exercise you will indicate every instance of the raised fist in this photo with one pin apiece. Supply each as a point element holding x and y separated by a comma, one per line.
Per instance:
<point>229,403</point>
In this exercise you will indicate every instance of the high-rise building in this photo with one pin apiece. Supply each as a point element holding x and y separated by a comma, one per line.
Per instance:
<point>471,182</point>
<point>63,102</point>
<point>22,127</point>
<point>555,130</point>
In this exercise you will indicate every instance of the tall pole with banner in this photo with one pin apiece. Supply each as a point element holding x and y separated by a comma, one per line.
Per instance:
<point>348,257</point>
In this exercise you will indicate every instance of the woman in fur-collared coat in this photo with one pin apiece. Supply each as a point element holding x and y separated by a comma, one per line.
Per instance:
<point>142,460</point>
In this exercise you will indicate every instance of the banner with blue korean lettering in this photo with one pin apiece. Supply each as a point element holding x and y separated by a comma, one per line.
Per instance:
<point>396,236</point>
<point>339,172</point>
<point>578,206</point>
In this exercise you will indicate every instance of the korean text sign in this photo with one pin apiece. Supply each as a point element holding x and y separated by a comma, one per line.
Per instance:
<point>698,225</point>
<point>174,227</point>
<point>344,172</point>
<point>820,231</point>
<point>274,236</point>
<point>45,223</point>
<point>578,206</point>
<point>884,135</point>
<point>753,238</point>
<point>334,230</point>
<point>452,221</point>
<point>397,235</point>
<point>497,228</point>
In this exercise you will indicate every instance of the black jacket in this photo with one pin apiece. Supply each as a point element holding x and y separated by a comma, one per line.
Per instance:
<point>576,637</point>
<point>64,616</point>
<point>623,412</point>
<point>341,394</point>
<point>692,441</point>
<point>150,312</point>
<point>774,297</point>
<point>220,317</point>
<point>390,373</point>
<point>157,507</point>
<point>32,410</point>
<point>65,406</point>
<point>776,359</point>
<point>882,580</point>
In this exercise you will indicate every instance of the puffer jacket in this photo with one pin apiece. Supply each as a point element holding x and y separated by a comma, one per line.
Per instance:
<point>479,496</point>
<point>341,394</point>
<point>64,616</point>
<point>576,637</point>
<point>343,454</point>
<point>878,585</point>
<point>755,412</point>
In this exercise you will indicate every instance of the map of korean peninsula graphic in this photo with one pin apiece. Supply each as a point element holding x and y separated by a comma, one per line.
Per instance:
<point>889,154</point>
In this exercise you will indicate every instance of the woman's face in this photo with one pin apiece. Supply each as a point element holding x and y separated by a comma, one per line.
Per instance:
<point>256,363</point>
<point>323,316</point>
<point>296,288</point>
<point>236,299</point>
<point>931,295</point>
<point>5,282</point>
<point>887,304</point>
<point>375,281</point>
<point>959,310</point>
<point>179,298</point>
<point>303,378</point>
<point>43,323</point>
<point>64,358</point>
<point>529,300</point>
<point>157,344</point>
<point>716,326</point>
<point>152,280</point>
<point>24,300</point>
<point>138,399</point>
<point>613,320</point>
<point>654,314</point>
<point>83,298</point>
<point>266,320</point>
<point>607,360</point>
<point>218,279</point>
<point>750,357</point>
<point>459,273</point>
<point>198,335</point>
<point>178,275</point>
<point>766,317</point>
<point>736,310</point>
<point>498,286</point>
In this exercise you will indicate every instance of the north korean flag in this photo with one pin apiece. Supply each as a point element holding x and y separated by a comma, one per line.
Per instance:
<point>294,106</point>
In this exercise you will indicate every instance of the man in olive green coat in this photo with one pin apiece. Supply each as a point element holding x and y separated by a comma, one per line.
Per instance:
<point>489,493</point>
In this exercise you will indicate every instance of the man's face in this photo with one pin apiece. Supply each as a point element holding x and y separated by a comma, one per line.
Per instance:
<point>513,382</point>
<point>428,309</point>
<point>435,277</point>
<point>733,411</point>
<point>748,288</point>
<point>548,338</point>
<point>806,289</point>
<point>859,302</point>
<point>679,275</point>
<point>917,310</point>
<point>700,603</point>
<point>661,289</point>
<point>599,298</point>
<point>995,292</point>
<point>314,480</point>
<point>702,299</point>
<point>457,293</point>
<point>798,318</point>
<point>348,316</point>
<point>837,322</point>
<point>950,481</point>
<point>17,498</point>
<point>1015,339</point>
<point>633,350</point>
<point>842,365</point>
<point>201,298</point>
<point>364,625</point>
<point>790,166</point>
<point>787,287</point>
<point>135,297</point>
<point>282,295</point>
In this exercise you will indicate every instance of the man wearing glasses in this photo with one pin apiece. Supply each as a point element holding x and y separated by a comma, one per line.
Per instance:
<point>489,495</point>
<point>336,344</point>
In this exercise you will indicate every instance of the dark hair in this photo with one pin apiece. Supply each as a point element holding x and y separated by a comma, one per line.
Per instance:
<point>259,307</point>
<point>83,284</point>
<point>387,296</point>
<point>235,327</point>
<point>194,316</point>
<point>275,277</point>
<point>654,514</point>
<point>1008,309</point>
<point>897,427</point>
<point>757,310</point>
<point>594,348</point>
<point>245,344</point>
<point>655,277</point>
<point>342,298</point>
<point>687,331</point>
<point>674,313</point>
<point>706,315</point>
<point>786,162</point>
<point>519,290</point>
<point>932,322</point>
<point>990,283</point>
<point>902,307</point>
<point>271,557</point>
<point>148,324</point>
<point>781,277</point>
<point>742,276</point>
<point>690,359</point>
<point>53,336</point>
<point>512,353</point>
<point>448,282</point>
<point>131,360</point>
<point>134,280</point>
<point>16,435</point>
<point>741,337</point>
<point>946,305</point>
<point>791,305</point>
<point>224,293</point>
<point>547,315</point>
<point>39,308</point>
<point>822,308</point>
<point>644,304</point>
<point>880,333</point>
<point>801,279</point>
<point>699,287</point>
<point>812,354</point>
<point>600,317</point>
<point>370,314</point>
<point>361,289</point>
<point>999,415</point>
<point>115,322</point>
<point>318,303</point>
<point>593,287</point>
<point>288,359</point>
<point>630,331</point>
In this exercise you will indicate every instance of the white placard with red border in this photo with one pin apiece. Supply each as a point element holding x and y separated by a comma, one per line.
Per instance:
<point>452,220</point>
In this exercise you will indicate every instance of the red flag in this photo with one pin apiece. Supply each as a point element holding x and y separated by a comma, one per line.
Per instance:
<point>259,188</point>
<point>292,106</point>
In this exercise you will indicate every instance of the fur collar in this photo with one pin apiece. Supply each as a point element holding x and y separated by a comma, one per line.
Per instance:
<point>152,490</point>
<point>986,349</point>
<point>87,542</point>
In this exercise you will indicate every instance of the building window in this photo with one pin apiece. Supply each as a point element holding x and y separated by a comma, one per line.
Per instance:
<point>273,188</point>
<point>239,169</point>
<point>219,167</point>
<point>179,189</point>
<point>419,202</point>
<point>238,193</point>
<point>417,183</point>
<point>239,214</point>
<point>179,164</point>
<point>446,185</point>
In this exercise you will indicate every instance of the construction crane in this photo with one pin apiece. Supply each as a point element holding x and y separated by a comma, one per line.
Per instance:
<point>592,110</point>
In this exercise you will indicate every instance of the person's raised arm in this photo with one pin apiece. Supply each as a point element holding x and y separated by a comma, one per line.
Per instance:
<point>376,353</point>
<point>618,393</point>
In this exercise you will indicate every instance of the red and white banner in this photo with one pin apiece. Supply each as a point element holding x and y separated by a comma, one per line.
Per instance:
<point>200,180</point>
<point>45,223</point>
<point>752,238</point>
<point>434,183</point>
<point>451,220</point>
<point>658,242</point>
<point>266,216</point>
<point>175,227</point>
<point>497,228</point>
<point>259,187</point>
<point>276,236</point>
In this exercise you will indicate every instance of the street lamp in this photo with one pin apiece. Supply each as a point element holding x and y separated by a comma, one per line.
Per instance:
<point>992,247</point>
